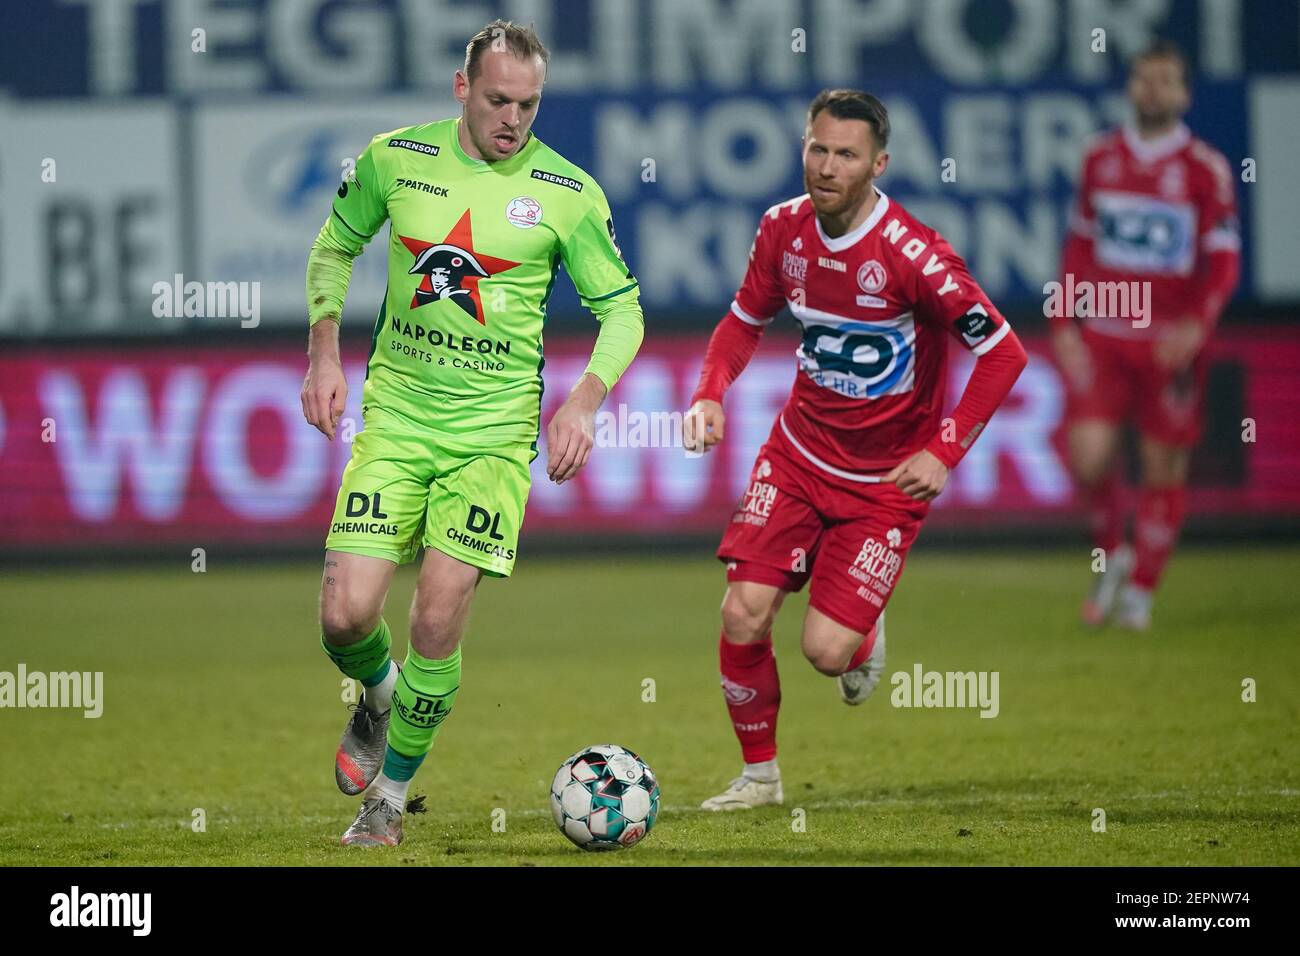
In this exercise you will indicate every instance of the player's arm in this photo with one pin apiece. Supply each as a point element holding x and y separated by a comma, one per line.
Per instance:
<point>954,298</point>
<point>358,211</point>
<point>1077,259</point>
<point>734,341</point>
<point>1218,263</point>
<point>607,287</point>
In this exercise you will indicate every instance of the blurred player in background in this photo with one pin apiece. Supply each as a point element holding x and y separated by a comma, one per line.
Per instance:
<point>482,215</point>
<point>840,489</point>
<point>1155,205</point>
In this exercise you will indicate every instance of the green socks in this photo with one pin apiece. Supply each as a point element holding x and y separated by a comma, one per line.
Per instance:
<point>422,699</point>
<point>368,659</point>
<point>422,696</point>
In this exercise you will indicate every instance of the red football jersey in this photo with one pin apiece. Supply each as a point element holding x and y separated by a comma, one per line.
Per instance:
<point>1157,211</point>
<point>875,307</point>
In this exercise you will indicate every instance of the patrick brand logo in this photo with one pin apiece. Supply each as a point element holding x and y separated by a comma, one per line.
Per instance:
<point>76,908</point>
<point>81,690</point>
<point>922,688</point>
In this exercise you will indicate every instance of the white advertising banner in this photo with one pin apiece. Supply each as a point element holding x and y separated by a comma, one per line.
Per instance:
<point>1275,137</point>
<point>265,175</point>
<point>90,215</point>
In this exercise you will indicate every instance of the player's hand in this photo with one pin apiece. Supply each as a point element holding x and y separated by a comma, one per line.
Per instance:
<point>1072,357</point>
<point>922,476</point>
<point>1178,344</point>
<point>703,426</point>
<point>324,395</point>
<point>572,430</point>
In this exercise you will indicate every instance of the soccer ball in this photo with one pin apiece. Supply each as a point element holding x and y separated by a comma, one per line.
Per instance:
<point>604,798</point>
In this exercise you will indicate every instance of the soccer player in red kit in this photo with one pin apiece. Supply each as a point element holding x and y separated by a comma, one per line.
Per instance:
<point>840,488</point>
<point>1156,210</point>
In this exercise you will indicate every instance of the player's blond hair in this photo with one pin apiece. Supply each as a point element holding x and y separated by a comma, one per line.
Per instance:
<point>504,36</point>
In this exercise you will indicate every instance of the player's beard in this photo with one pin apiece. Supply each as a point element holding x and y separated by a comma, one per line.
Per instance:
<point>1157,119</point>
<point>849,198</point>
<point>1154,113</point>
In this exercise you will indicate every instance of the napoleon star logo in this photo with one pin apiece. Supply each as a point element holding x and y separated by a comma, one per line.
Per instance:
<point>452,269</point>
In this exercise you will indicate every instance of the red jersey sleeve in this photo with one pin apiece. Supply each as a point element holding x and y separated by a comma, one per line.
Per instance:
<point>760,296</point>
<point>951,296</point>
<point>1218,264</point>
<point>947,293</point>
<point>730,348</point>
<point>1077,255</point>
<point>759,299</point>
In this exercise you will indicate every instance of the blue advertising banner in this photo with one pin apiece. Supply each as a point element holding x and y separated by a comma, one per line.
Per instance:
<point>242,116</point>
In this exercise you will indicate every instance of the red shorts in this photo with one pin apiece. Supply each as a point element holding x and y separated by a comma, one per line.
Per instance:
<point>796,522</point>
<point>1128,384</point>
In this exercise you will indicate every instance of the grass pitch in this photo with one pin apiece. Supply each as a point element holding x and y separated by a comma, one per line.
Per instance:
<point>218,700</point>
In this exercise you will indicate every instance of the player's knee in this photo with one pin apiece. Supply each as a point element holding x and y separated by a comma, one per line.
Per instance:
<point>1090,453</point>
<point>1089,470</point>
<point>825,658</point>
<point>1163,470</point>
<point>1159,473</point>
<point>746,617</point>
<point>434,632</point>
<point>343,624</point>
<point>1163,481</point>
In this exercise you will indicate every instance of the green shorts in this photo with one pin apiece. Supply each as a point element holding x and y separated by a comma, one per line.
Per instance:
<point>402,490</point>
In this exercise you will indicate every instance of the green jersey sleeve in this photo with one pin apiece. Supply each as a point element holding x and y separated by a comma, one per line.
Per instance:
<point>329,270</point>
<point>358,211</point>
<point>592,257</point>
<point>621,332</point>
<point>607,287</point>
<point>360,206</point>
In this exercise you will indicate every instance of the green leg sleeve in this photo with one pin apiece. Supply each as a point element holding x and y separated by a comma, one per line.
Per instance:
<point>422,700</point>
<point>367,660</point>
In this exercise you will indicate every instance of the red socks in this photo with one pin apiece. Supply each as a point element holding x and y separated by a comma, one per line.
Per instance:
<point>1159,519</point>
<point>1105,504</point>
<point>752,689</point>
<point>863,651</point>
<point>753,692</point>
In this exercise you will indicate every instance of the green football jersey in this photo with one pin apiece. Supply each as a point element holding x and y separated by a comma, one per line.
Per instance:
<point>473,254</point>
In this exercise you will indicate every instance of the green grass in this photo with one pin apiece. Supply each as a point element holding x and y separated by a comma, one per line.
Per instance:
<point>217,697</point>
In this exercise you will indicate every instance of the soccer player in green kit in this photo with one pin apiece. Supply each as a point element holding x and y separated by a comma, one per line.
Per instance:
<point>483,214</point>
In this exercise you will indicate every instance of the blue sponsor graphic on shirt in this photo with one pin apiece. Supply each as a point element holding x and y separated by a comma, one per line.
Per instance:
<point>863,359</point>
<point>1144,233</point>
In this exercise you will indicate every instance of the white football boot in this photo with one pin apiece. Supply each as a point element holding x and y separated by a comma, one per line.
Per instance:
<point>859,684</point>
<point>1134,610</point>
<point>378,823</point>
<point>1106,587</point>
<point>746,793</point>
